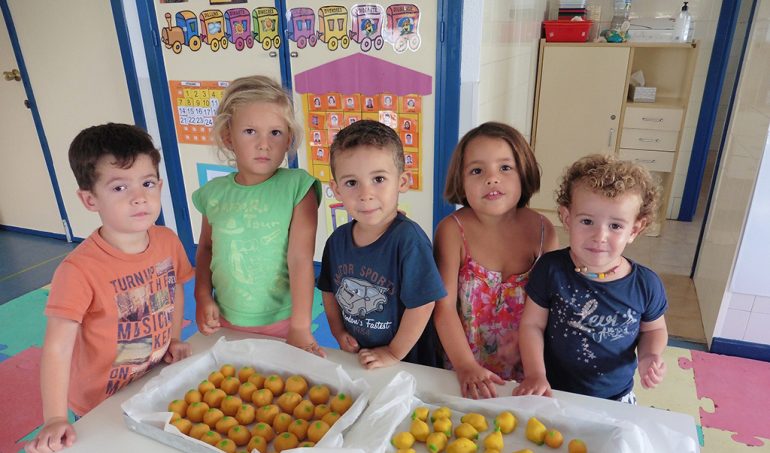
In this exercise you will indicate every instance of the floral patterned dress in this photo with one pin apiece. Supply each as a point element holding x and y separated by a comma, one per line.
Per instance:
<point>490,310</point>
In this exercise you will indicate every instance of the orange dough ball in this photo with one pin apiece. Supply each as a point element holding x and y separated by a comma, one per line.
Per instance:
<point>193,396</point>
<point>227,370</point>
<point>245,372</point>
<point>262,397</point>
<point>226,445</point>
<point>319,394</point>
<point>214,397</point>
<point>299,428</point>
<point>297,384</point>
<point>257,379</point>
<point>268,413</point>
<point>246,390</point>
<point>258,443</point>
<point>216,378</point>
<point>288,401</point>
<point>246,414</point>
<point>230,385</point>
<point>304,410</point>
<point>341,402</point>
<point>211,437</point>
<point>198,430</point>
<point>281,422</point>
<point>195,411</point>
<point>178,406</point>
<point>183,425</point>
<point>306,444</point>
<point>225,423</point>
<point>320,411</point>
<point>332,417</point>
<point>285,441</point>
<point>231,404</point>
<point>263,430</point>
<point>175,416</point>
<point>205,386</point>
<point>577,446</point>
<point>274,383</point>
<point>212,416</point>
<point>316,430</point>
<point>239,434</point>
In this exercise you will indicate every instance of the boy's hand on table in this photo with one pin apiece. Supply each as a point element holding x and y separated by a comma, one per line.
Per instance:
<point>303,339</point>
<point>207,315</point>
<point>56,434</point>
<point>652,369</point>
<point>347,342</point>
<point>377,358</point>
<point>177,350</point>
<point>477,382</point>
<point>535,385</point>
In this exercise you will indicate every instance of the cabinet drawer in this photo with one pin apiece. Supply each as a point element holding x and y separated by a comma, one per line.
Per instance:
<point>649,139</point>
<point>653,118</point>
<point>653,160</point>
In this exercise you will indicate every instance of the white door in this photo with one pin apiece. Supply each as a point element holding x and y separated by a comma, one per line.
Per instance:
<point>26,192</point>
<point>578,113</point>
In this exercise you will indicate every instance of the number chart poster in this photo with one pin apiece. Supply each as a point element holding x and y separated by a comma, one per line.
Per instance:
<point>195,104</point>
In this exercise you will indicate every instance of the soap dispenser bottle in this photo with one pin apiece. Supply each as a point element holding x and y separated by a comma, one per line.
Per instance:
<point>683,25</point>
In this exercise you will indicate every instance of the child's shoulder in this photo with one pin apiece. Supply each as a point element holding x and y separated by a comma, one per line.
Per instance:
<point>408,228</point>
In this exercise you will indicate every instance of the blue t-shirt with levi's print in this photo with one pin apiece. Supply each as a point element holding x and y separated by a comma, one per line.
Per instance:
<point>593,325</point>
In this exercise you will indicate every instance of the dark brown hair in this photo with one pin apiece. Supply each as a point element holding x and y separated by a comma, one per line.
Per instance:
<point>367,133</point>
<point>526,164</point>
<point>122,141</point>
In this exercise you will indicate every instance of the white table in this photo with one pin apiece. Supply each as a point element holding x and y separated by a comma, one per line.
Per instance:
<point>103,429</point>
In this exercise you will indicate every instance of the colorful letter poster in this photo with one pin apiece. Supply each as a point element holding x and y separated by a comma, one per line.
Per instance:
<point>195,105</point>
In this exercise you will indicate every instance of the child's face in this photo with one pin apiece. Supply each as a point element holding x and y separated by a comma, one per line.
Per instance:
<point>600,227</point>
<point>259,137</point>
<point>490,179</point>
<point>127,200</point>
<point>368,184</point>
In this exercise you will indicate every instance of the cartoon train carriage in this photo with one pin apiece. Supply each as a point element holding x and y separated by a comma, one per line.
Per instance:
<point>238,28</point>
<point>365,26</point>
<point>266,27</point>
<point>301,27</point>
<point>403,22</point>
<point>213,29</point>
<point>333,26</point>
<point>185,32</point>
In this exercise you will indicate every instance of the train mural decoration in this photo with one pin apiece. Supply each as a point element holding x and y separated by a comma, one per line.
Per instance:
<point>368,25</point>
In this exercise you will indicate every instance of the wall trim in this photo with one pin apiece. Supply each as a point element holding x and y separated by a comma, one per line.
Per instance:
<point>738,348</point>
<point>45,234</point>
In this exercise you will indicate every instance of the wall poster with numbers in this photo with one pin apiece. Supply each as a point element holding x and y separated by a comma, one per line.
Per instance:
<point>195,105</point>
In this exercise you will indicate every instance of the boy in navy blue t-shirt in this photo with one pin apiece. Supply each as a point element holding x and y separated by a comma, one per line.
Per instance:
<point>378,276</point>
<point>590,310</point>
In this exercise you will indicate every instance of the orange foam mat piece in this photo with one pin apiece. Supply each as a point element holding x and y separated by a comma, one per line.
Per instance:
<point>20,376</point>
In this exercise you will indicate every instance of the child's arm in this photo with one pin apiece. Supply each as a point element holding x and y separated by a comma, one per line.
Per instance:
<point>653,337</point>
<point>177,349</point>
<point>531,344</point>
<point>55,364</point>
<point>304,221</point>
<point>413,323</point>
<point>475,380</point>
<point>206,309</point>
<point>334,317</point>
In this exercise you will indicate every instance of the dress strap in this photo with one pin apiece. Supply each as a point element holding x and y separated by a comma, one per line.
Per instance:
<point>462,235</point>
<point>542,237</point>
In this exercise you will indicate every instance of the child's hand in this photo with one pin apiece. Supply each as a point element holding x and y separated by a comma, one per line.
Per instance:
<point>347,342</point>
<point>477,382</point>
<point>177,350</point>
<point>207,315</point>
<point>535,385</point>
<point>652,369</point>
<point>303,339</point>
<point>376,358</point>
<point>56,434</point>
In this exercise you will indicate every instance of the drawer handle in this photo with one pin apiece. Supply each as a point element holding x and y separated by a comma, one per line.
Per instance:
<point>645,161</point>
<point>649,140</point>
<point>652,120</point>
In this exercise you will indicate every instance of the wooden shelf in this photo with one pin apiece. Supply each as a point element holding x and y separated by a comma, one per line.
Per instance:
<point>660,103</point>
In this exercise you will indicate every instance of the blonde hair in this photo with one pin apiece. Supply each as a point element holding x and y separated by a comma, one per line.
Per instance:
<point>607,176</point>
<point>247,90</point>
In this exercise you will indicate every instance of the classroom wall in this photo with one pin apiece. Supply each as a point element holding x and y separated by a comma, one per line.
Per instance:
<point>741,189</point>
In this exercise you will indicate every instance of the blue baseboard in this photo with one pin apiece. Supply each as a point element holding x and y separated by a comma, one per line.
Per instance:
<point>34,232</point>
<point>739,348</point>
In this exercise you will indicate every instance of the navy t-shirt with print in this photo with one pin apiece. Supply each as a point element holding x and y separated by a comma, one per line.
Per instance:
<point>593,326</point>
<point>375,283</point>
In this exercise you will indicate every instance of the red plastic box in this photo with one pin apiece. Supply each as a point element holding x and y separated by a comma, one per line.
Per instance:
<point>566,30</point>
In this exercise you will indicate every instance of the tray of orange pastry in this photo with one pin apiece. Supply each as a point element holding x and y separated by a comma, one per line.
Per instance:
<point>248,395</point>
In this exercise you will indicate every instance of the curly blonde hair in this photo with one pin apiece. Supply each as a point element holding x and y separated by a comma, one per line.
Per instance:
<point>606,175</point>
<point>247,90</point>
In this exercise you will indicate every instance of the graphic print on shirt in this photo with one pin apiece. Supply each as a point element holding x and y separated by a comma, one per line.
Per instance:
<point>144,301</point>
<point>358,297</point>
